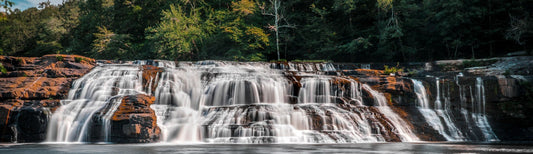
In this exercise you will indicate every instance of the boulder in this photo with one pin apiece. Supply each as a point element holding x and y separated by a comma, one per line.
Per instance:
<point>134,121</point>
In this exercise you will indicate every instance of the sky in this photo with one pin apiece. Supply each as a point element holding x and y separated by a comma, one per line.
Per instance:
<point>24,4</point>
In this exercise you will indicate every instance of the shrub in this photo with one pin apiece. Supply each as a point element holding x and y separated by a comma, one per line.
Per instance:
<point>59,58</point>
<point>2,68</point>
<point>389,70</point>
<point>79,59</point>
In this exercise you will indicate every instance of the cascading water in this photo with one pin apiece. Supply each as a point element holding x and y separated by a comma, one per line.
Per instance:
<point>90,94</point>
<point>480,119</point>
<point>401,127</point>
<point>249,104</point>
<point>437,118</point>
<point>231,102</point>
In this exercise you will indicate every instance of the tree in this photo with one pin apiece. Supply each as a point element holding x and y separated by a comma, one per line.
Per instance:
<point>521,31</point>
<point>178,33</point>
<point>275,10</point>
<point>6,4</point>
<point>110,45</point>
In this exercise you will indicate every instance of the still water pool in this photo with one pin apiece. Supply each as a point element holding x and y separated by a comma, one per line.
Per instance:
<point>272,148</point>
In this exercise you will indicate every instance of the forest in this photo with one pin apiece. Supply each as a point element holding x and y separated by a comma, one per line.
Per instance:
<point>264,30</point>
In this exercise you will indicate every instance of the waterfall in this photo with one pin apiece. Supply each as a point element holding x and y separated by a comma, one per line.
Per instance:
<point>315,90</point>
<point>437,118</point>
<point>226,102</point>
<point>249,104</point>
<point>255,102</point>
<point>89,95</point>
<point>401,127</point>
<point>478,113</point>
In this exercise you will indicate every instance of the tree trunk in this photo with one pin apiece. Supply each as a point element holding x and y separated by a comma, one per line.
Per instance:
<point>456,48</point>
<point>473,54</point>
<point>276,21</point>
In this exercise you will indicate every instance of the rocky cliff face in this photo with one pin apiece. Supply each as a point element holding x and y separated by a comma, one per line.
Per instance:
<point>31,89</point>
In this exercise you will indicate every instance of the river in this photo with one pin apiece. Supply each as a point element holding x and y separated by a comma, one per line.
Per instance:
<point>400,147</point>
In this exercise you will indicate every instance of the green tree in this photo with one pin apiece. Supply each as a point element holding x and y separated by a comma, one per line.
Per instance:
<point>109,45</point>
<point>178,34</point>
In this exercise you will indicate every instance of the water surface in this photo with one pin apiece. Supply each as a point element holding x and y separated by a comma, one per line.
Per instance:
<point>272,148</point>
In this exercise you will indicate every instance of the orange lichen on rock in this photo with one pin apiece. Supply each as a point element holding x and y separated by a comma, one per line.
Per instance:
<point>134,121</point>
<point>34,86</point>
<point>369,72</point>
<point>149,74</point>
<point>137,104</point>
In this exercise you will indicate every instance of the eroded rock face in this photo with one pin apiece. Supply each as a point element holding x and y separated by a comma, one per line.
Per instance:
<point>149,76</point>
<point>31,89</point>
<point>134,121</point>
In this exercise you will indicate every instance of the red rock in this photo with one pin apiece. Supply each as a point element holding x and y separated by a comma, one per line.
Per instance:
<point>149,74</point>
<point>33,86</point>
<point>134,121</point>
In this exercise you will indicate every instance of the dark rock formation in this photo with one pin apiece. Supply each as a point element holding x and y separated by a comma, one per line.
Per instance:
<point>134,121</point>
<point>31,89</point>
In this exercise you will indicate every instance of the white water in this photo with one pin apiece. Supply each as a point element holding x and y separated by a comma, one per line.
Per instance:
<point>88,95</point>
<point>480,119</point>
<point>437,118</point>
<point>249,104</point>
<point>231,102</point>
<point>401,128</point>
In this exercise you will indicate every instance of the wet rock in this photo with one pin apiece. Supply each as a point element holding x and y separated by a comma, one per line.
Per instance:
<point>149,75</point>
<point>33,87</point>
<point>134,121</point>
<point>24,123</point>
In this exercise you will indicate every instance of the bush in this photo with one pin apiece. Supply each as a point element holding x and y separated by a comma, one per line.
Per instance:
<point>256,57</point>
<point>389,70</point>
<point>59,58</point>
<point>79,59</point>
<point>3,69</point>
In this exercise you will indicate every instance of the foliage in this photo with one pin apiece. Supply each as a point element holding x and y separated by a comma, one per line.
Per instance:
<point>5,4</point>
<point>108,44</point>
<point>3,69</point>
<point>260,30</point>
<point>60,58</point>
<point>394,69</point>
<point>178,34</point>
<point>79,59</point>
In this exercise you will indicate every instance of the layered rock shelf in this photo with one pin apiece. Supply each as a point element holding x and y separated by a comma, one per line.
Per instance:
<point>31,89</point>
<point>221,102</point>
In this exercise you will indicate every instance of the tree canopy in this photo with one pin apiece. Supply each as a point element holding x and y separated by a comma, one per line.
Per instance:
<point>260,30</point>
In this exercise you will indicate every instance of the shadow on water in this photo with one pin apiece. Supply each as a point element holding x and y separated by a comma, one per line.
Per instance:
<point>427,147</point>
